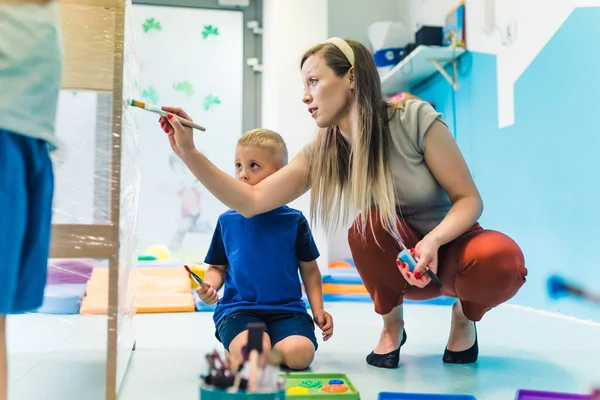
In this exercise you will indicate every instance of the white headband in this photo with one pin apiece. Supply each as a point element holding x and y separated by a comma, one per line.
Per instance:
<point>344,48</point>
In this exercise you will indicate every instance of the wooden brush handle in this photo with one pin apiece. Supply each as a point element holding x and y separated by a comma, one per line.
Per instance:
<point>190,124</point>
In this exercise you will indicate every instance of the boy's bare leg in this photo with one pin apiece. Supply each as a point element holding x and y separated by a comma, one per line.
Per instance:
<point>236,345</point>
<point>3,362</point>
<point>298,352</point>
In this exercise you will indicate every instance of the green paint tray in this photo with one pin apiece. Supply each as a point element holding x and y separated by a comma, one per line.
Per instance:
<point>314,382</point>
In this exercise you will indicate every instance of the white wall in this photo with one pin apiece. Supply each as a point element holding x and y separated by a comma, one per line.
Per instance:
<point>351,18</point>
<point>521,29</point>
<point>289,28</point>
<point>532,24</point>
<point>416,13</point>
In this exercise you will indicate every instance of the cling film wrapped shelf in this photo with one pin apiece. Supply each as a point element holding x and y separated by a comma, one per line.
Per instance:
<point>97,169</point>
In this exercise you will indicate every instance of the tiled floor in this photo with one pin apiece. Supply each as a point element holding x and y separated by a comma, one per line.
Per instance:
<point>62,357</point>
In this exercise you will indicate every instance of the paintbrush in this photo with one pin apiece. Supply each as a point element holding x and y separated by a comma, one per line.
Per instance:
<point>160,111</point>
<point>194,276</point>
<point>557,287</point>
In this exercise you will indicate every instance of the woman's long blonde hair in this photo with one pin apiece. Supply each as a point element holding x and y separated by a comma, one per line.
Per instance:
<point>355,177</point>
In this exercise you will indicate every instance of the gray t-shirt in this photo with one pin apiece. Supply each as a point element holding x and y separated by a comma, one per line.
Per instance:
<point>30,68</point>
<point>423,202</point>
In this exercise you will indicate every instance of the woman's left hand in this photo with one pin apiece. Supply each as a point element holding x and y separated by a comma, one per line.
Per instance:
<point>426,255</point>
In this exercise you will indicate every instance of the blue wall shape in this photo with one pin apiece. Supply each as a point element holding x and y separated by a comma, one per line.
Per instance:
<point>539,178</point>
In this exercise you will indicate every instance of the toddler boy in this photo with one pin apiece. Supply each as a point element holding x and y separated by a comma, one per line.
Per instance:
<point>257,259</point>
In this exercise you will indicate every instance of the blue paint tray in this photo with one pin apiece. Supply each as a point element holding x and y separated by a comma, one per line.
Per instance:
<point>423,396</point>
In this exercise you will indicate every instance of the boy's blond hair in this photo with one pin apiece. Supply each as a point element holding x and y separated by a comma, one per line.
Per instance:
<point>265,139</point>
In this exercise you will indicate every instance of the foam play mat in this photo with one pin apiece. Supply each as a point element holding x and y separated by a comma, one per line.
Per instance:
<point>62,298</point>
<point>342,283</point>
<point>158,289</point>
<point>200,305</point>
<point>342,276</point>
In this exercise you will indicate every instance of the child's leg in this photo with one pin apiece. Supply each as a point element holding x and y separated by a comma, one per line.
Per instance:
<point>293,335</point>
<point>232,332</point>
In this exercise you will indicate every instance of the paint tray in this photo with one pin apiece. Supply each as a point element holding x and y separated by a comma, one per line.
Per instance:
<point>539,395</point>
<point>310,385</point>
<point>423,396</point>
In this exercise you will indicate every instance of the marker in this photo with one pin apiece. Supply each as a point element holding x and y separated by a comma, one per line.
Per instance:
<point>160,111</point>
<point>406,257</point>
<point>194,276</point>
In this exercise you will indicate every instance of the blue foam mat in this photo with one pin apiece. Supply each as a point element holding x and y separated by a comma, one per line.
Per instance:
<point>365,298</point>
<point>200,306</point>
<point>342,276</point>
<point>341,298</point>
<point>62,298</point>
<point>423,396</point>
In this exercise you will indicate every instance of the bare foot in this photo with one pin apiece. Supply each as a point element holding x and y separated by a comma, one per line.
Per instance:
<point>462,331</point>
<point>389,340</point>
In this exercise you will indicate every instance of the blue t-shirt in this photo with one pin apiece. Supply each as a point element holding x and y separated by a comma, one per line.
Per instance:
<point>262,256</point>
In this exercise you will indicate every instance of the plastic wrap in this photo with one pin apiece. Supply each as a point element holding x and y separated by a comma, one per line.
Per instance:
<point>97,171</point>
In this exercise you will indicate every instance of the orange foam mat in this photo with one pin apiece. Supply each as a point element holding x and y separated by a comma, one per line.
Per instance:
<point>336,288</point>
<point>157,289</point>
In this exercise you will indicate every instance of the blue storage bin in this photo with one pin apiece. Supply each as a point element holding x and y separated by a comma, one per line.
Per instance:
<point>423,396</point>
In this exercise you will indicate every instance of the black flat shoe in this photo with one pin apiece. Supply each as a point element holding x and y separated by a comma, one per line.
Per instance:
<point>388,360</point>
<point>468,356</point>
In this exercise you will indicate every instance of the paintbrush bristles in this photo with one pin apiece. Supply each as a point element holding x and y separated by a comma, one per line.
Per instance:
<point>137,103</point>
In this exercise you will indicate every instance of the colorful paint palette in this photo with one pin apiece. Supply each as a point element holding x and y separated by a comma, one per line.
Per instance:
<point>307,386</point>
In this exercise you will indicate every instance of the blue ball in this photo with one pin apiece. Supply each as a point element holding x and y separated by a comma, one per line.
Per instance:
<point>336,382</point>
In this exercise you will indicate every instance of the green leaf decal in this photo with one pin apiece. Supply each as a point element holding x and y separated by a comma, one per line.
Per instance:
<point>184,87</point>
<point>209,101</point>
<point>210,30</point>
<point>150,94</point>
<point>151,24</point>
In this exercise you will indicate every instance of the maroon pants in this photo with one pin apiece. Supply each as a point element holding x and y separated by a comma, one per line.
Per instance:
<point>482,268</point>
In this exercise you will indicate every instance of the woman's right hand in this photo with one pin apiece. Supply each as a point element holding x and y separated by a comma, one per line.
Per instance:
<point>181,138</point>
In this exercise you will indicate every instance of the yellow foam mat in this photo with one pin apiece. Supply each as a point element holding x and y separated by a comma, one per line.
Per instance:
<point>157,289</point>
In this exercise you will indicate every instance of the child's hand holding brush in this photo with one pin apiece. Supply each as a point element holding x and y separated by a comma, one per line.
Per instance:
<point>207,293</point>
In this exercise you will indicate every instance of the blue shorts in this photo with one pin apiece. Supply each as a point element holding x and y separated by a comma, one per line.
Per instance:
<point>26,190</point>
<point>280,324</point>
